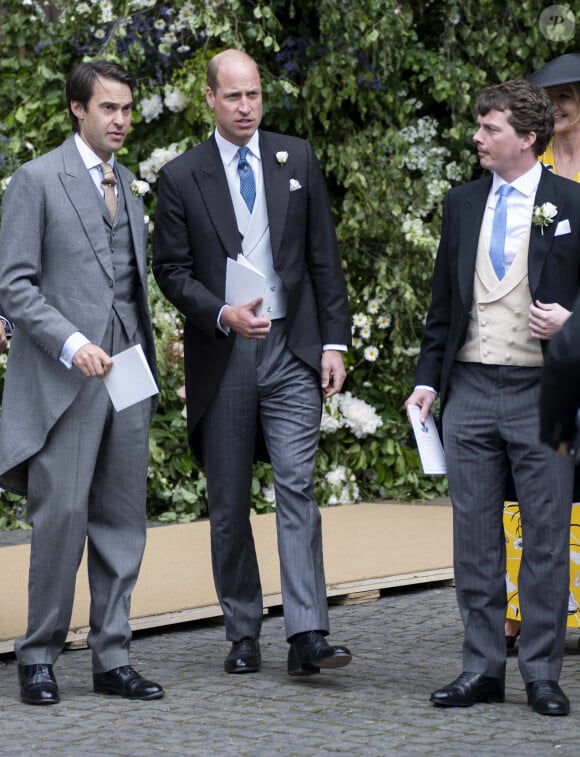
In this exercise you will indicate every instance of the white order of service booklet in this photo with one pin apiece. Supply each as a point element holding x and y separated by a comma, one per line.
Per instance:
<point>244,282</point>
<point>428,443</point>
<point>130,379</point>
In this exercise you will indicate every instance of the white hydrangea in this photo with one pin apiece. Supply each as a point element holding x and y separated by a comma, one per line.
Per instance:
<point>175,100</point>
<point>360,417</point>
<point>331,419</point>
<point>151,108</point>
<point>149,168</point>
<point>269,494</point>
<point>336,476</point>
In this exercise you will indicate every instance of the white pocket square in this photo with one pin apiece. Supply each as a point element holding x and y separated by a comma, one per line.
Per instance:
<point>294,185</point>
<point>563,227</point>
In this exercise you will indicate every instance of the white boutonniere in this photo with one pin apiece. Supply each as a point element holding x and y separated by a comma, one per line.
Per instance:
<point>544,215</point>
<point>139,188</point>
<point>281,157</point>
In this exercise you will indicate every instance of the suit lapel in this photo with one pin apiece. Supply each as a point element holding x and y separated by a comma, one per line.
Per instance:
<point>136,216</point>
<point>541,237</point>
<point>470,220</point>
<point>81,192</point>
<point>215,193</point>
<point>277,189</point>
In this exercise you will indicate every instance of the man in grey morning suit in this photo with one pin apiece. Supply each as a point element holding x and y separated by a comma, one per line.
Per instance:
<point>256,370</point>
<point>73,281</point>
<point>482,350</point>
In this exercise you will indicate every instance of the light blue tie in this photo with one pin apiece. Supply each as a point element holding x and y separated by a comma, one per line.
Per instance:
<point>496,248</point>
<point>247,180</point>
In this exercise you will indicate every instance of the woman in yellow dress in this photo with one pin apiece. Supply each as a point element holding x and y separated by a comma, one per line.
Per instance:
<point>561,80</point>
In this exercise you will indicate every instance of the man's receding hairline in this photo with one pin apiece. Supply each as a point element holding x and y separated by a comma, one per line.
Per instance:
<point>218,60</point>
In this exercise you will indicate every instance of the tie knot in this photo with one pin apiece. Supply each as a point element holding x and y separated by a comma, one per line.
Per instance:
<point>505,190</point>
<point>243,151</point>
<point>109,176</point>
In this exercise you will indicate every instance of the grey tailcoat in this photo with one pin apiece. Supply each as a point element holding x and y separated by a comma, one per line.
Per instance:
<point>56,278</point>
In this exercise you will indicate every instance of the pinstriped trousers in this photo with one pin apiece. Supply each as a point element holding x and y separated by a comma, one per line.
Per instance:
<point>265,380</point>
<point>491,423</point>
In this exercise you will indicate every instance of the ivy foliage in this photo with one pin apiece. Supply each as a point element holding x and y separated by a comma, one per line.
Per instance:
<point>384,90</point>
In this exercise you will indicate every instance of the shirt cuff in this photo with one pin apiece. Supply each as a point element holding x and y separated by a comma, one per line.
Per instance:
<point>223,329</point>
<point>71,347</point>
<point>429,388</point>
<point>337,347</point>
<point>7,326</point>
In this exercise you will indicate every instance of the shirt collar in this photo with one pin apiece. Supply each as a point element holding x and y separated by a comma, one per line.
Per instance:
<point>228,151</point>
<point>89,158</point>
<point>527,183</point>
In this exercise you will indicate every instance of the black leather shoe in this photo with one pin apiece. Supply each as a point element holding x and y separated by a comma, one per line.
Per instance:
<point>126,682</point>
<point>244,657</point>
<point>37,684</point>
<point>469,689</point>
<point>309,652</point>
<point>547,698</point>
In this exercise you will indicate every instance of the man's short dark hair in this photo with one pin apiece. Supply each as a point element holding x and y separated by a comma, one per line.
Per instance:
<point>530,109</point>
<point>80,84</point>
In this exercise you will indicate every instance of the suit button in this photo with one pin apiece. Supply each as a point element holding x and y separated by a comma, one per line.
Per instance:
<point>272,289</point>
<point>485,353</point>
<point>482,307</point>
<point>484,323</point>
<point>508,356</point>
<point>269,310</point>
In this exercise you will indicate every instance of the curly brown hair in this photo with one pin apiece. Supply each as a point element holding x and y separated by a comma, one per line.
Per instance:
<point>530,109</point>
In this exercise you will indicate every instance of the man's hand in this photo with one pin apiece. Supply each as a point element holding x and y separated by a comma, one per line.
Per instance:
<point>546,320</point>
<point>424,399</point>
<point>243,320</point>
<point>333,373</point>
<point>3,339</point>
<point>92,361</point>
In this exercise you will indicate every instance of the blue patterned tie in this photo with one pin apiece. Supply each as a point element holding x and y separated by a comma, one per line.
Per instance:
<point>496,248</point>
<point>247,181</point>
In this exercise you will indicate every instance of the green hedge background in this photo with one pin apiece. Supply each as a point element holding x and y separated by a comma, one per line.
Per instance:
<point>385,92</point>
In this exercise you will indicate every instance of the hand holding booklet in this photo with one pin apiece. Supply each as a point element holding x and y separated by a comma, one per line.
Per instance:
<point>130,379</point>
<point>244,282</point>
<point>428,443</point>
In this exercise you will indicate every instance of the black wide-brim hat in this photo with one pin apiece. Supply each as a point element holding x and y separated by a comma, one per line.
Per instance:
<point>562,70</point>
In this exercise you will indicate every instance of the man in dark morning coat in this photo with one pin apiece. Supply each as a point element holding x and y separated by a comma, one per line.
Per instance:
<point>482,351</point>
<point>73,281</point>
<point>257,369</point>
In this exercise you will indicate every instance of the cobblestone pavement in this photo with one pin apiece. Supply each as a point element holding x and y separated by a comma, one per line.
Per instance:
<point>405,644</point>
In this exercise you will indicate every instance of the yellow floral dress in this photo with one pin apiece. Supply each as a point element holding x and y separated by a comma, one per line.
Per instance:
<point>512,525</point>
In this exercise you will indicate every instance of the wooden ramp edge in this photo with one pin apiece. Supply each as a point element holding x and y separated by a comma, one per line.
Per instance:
<point>368,547</point>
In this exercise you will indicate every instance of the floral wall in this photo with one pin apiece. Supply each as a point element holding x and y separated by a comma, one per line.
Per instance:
<point>383,89</point>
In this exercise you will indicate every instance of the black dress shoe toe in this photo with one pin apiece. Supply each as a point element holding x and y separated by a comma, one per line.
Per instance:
<point>310,651</point>
<point>37,684</point>
<point>244,657</point>
<point>469,689</point>
<point>126,682</point>
<point>547,698</point>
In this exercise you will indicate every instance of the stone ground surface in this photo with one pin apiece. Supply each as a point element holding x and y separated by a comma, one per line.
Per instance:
<point>405,644</point>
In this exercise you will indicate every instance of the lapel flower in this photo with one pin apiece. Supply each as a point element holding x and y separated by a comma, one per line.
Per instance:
<point>544,215</point>
<point>139,188</point>
<point>282,157</point>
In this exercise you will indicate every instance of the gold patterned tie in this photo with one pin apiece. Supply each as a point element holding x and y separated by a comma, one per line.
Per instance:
<point>109,186</point>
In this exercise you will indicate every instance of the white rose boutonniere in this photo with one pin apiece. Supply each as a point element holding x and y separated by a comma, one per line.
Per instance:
<point>282,157</point>
<point>139,188</point>
<point>544,215</point>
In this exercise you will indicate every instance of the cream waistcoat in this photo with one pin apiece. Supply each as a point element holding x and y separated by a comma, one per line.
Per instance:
<point>254,228</point>
<point>498,332</point>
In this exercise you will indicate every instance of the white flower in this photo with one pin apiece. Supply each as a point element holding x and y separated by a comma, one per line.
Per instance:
<point>336,476</point>
<point>371,354</point>
<point>149,169</point>
<point>183,49</point>
<point>356,342</point>
<point>360,319</point>
<point>159,24</point>
<point>4,183</point>
<point>100,33</point>
<point>359,416</point>
<point>83,8</point>
<point>372,307</point>
<point>383,321</point>
<point>269,494</point>
<point>544,215</point>
<point>169,38</point>
<point>151,108</point>
<point>139,188</point>
<point>282,157</point>
<point>331,419</point>
<point>175,100</point>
